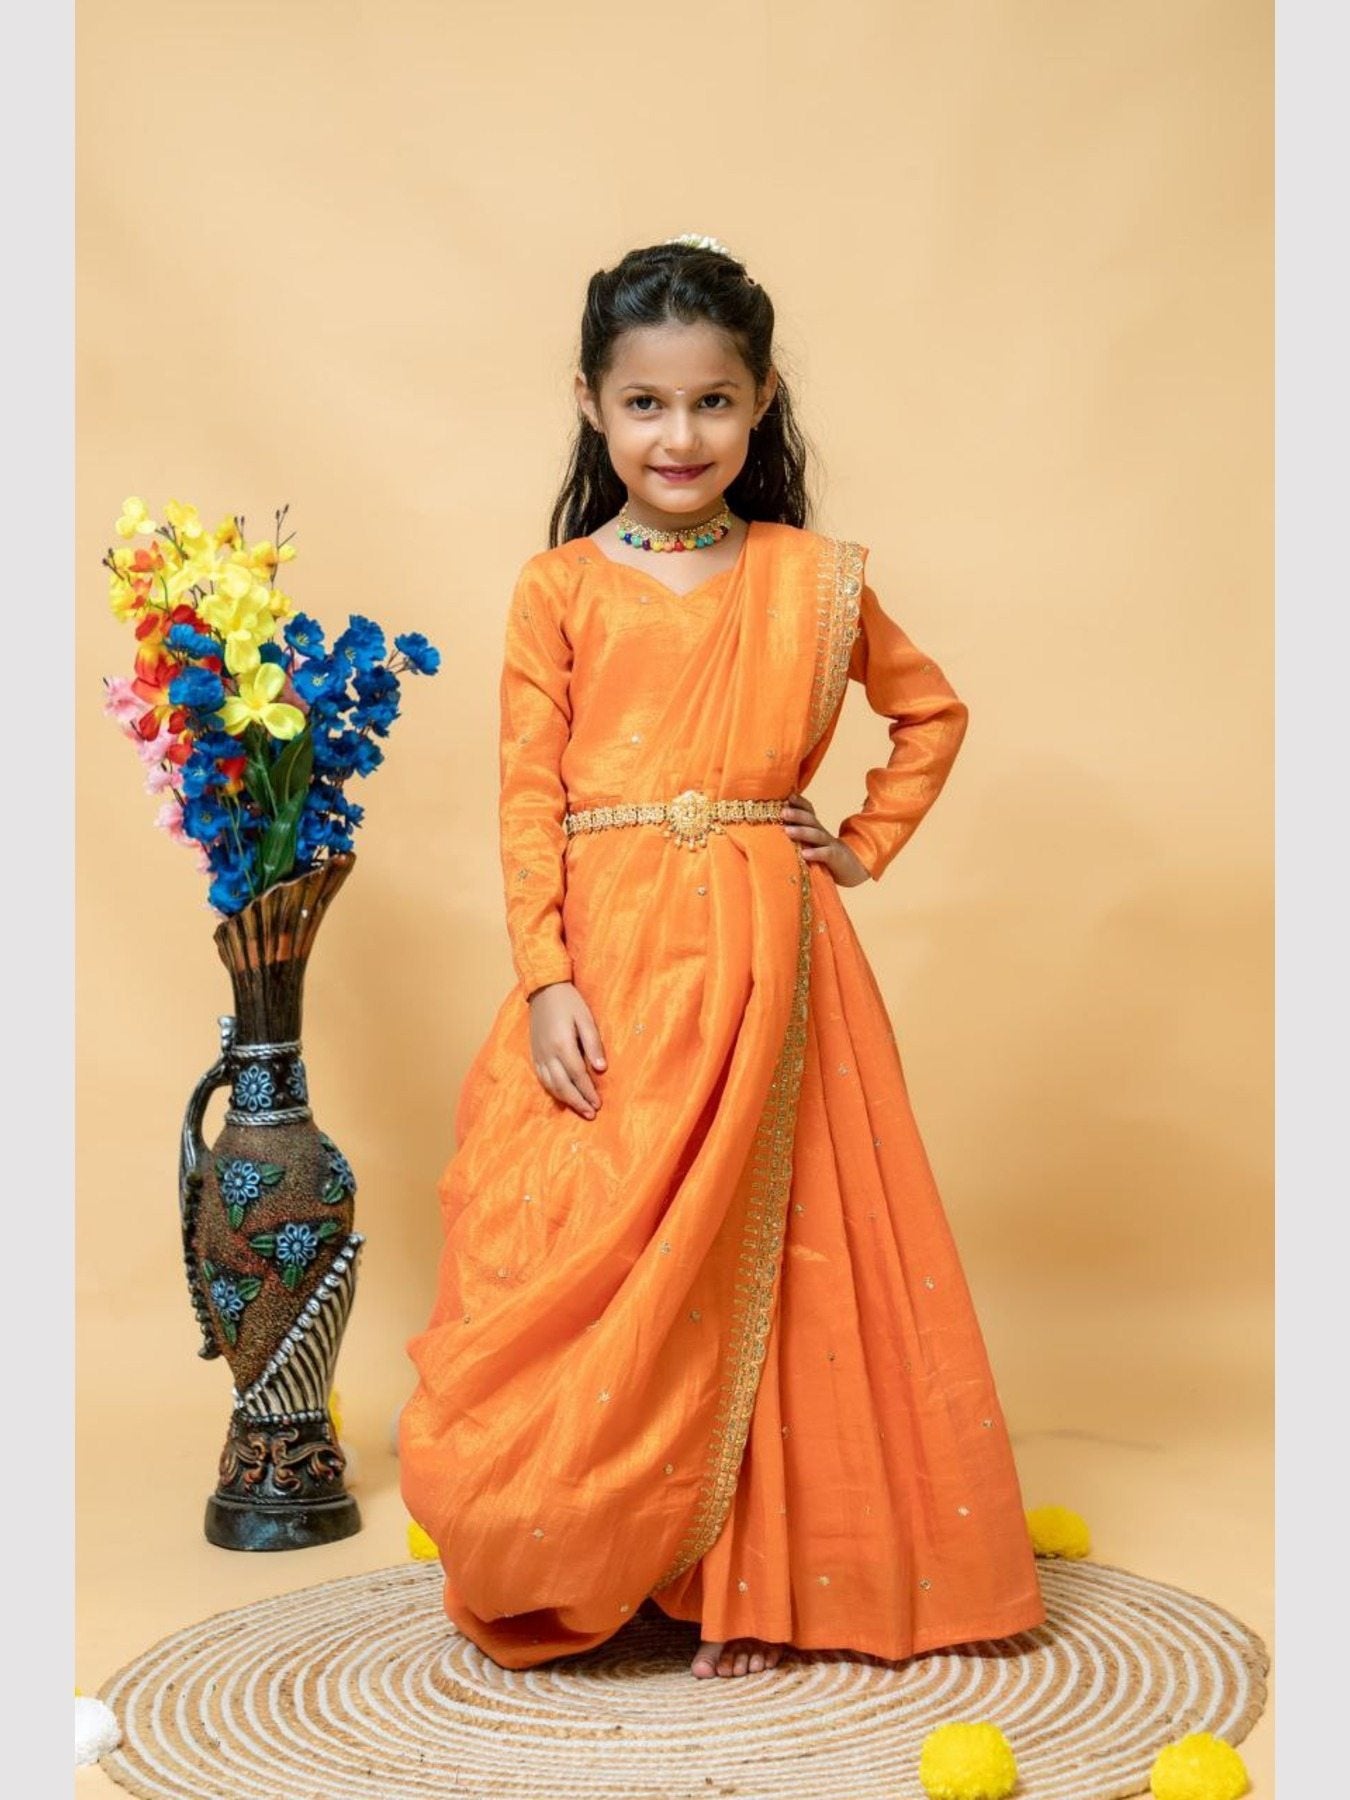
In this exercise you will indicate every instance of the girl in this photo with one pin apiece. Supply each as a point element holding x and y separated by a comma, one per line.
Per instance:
<point>701,1336</point>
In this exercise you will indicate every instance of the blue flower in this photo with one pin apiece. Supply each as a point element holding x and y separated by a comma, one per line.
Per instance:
<point>226,1298</point>
<point>362,643</point>
<point>229,892</point>
<point>318,681</point>
<point>254,1089</point>
<point>189,641</point>
<point>368,756</point>
<point>198,689</point>
<point>199,776</point>
<point>297,1083</point>
<point>304,634</point>
<point>424,657</point>
<point>297,1244</point>
<point>341,1179</point>
<point>205,819</point>
<point>377,700</point>
<point>215,744</point>
<point>273,653</point>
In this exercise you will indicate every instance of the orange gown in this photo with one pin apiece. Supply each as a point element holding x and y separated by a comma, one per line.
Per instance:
<point>714,1346</point>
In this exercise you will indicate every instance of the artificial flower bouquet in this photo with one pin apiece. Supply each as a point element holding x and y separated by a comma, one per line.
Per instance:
<point>249,727</point>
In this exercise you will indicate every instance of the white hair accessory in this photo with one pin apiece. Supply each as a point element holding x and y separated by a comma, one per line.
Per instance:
<point>696,242</point>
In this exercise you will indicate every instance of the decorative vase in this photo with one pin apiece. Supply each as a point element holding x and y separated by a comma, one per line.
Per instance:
<point>267,1237</point>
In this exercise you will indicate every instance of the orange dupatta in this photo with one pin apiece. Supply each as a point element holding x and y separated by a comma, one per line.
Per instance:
<point>606,1288</point>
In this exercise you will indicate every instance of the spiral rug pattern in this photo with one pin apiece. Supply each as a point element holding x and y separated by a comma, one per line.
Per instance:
<point>360,1689</point>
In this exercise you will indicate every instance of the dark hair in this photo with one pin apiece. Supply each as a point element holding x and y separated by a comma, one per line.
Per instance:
<point>684,283</point>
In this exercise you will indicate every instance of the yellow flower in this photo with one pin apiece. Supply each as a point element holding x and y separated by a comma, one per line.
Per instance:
<point>1055,1531</point>
<point>256,703</point>
<point>134,519</point>
<point>227,532</point>
<point>236,613</point>
<point>185,522</point>
<point>335,1411</point>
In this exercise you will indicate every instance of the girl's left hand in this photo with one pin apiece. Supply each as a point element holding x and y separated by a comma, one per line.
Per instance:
<point>818,845</point>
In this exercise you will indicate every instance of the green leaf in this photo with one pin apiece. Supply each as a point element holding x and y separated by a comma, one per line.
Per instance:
<point>291,1275</point>
<point>209,1270</point>
<point>328,1228</point>
<point>277,850</point>
<point>259,785</point>
<point>292,770</point>
<point>333,1192</point>
<point>271,1173</point>
<point>236,1216</point>
<point>265,1243</point>
<point>220,1170</point>
<point>249,1287</point>
<point>230,1330</point>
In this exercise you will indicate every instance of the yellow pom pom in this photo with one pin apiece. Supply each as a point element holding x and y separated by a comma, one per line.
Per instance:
<point>967,1762</point>
<point>420,1546</point>
<point>1198,1767</point>
<point>335,1412</point>
<point>1055,1531</point>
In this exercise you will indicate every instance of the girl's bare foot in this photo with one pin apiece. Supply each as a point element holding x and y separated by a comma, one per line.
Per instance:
<point>735,1656</point>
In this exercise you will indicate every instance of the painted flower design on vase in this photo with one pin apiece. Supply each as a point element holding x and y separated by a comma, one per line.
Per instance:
<point>294,1246</point>
<point>242,1181</point>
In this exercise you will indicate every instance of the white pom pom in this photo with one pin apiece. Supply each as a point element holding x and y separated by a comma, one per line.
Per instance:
<point>96,1729</point>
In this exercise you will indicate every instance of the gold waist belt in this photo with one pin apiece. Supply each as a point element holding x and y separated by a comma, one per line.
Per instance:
<point>689,818</point>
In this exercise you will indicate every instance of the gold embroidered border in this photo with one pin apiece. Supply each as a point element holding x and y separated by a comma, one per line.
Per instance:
<point>838,620</point>
<point>761,1250</point>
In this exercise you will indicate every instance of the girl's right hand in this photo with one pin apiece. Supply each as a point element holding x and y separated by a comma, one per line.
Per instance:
<point>563,1040</point>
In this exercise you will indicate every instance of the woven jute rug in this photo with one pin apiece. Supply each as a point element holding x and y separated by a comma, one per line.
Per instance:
<point>360,1689</point>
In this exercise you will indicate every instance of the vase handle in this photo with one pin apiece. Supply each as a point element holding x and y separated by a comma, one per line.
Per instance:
<point>192,1154</point>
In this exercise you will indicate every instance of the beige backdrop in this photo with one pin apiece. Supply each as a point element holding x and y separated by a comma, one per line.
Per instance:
<point>1021,253</point>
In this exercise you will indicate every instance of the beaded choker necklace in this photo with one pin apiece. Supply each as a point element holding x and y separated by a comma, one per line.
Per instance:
<point>690,537</point>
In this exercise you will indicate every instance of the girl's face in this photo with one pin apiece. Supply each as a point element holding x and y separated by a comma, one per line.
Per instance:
<point>675,398</point>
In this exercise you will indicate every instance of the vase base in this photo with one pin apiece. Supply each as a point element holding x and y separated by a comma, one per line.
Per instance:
<point>243,1525</point>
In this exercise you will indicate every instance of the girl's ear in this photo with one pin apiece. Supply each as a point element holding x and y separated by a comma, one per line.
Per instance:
<point>767,392</point>
<point>585,401</point>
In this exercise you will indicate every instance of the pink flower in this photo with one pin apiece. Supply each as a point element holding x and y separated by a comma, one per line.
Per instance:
<point>160,779</point>
<point>122,702</point>
<point>170,818</point>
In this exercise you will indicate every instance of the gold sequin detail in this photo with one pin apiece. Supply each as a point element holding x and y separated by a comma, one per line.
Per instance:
<point>636,738</point>
<point>839,588</point>
<point>695,1314</point>
<point>925,1582</point>
<point>824,1580</point>
<point>761,1251</point>
<point>843,1068</point>
<point>603,1395</point>
<point>700,890</point>
<point>743,1587</point>
<point>665,1249</point>
<point>625,1607</point>
<point>670,1468</point>
<point>964,1511</point>
<point>638,1025</point>
<point>928,1281</point>
<point>986,1423</point>
<point>521,874</point>
<point>539,1531</point>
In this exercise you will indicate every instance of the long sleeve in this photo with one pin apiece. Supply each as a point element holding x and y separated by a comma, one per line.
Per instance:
<point>927,724</point>
<point>536,718</point>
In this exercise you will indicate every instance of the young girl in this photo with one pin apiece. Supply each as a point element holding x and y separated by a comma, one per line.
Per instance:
<point>701,1335</point>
